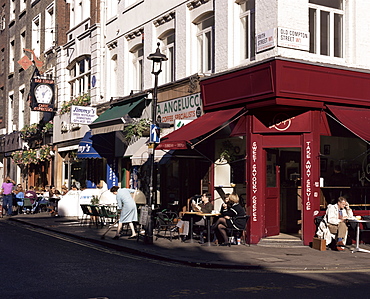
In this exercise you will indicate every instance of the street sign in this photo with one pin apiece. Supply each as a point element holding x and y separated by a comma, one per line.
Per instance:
<point>154,134</point>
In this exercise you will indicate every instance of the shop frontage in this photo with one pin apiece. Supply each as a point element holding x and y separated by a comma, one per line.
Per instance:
<point>293,140</point>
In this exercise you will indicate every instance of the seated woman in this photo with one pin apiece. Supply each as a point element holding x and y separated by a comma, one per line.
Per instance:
<point>204,207</point>
<point>229,219</point>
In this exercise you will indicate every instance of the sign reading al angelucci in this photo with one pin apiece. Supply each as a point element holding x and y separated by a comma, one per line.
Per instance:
<point>42,95</point>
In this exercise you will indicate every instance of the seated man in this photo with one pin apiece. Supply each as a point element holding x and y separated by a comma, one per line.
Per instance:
<point>337,214</point>
<point>205,207</point>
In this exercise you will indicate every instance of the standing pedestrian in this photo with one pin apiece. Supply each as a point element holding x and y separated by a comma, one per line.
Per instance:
<point>6,189</point>
<point>128,208</point>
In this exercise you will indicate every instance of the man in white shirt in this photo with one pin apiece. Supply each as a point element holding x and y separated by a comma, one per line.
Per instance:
<point>337,214</point>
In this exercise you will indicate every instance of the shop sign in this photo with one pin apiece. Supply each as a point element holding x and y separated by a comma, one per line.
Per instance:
<point>112,173</point>
<point>265,40</point>
<point>291,38</point>
<point>189,107</point>
<point>254,182</point>
<point>83,115</point>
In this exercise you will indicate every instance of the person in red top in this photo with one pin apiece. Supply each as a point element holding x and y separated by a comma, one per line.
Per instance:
<point>6,190</point>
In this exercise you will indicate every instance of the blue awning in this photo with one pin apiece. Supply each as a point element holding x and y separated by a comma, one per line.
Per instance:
<point>96,146</point>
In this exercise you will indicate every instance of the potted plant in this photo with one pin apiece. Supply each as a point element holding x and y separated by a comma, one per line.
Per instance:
<point>140,128</point>
<point>82,100</point>
<point>48,127</point>
<point>30,131</point>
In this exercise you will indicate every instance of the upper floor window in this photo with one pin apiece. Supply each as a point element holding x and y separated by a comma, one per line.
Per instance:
<point>36,34</point>
<point>23,43</point>
<point>168,49</point>
<point>79,11</point>
<point>12,10</point>
<point>22,5</point>
<point>79,73</point>
<point>112,8</point>
<point>11,56</point>
<point>326,27</point>
<point>205,44</point>
<point>49,27</point>
<point>137,63</point>
<point>247,33</point>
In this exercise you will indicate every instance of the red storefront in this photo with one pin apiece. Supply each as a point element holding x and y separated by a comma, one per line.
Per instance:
<point>285,106</point>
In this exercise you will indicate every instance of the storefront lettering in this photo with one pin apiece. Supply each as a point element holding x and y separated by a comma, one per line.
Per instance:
<point>254,208</point>
<point>254,181</point>
<point>281,125</point>
<point>308,174</point>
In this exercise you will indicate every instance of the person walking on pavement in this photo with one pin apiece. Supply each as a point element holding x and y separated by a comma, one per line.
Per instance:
<point>6,189</point>
<point>128,208</point>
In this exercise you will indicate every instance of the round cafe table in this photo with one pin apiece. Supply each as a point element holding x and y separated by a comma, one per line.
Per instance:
<point>208,217</point>
<point>191,215</point>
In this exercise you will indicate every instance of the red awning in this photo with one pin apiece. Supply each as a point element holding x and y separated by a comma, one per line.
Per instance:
<point>357,120</point>
<point>179,139</point>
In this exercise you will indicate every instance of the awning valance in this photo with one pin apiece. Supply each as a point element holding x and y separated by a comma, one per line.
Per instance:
<point>357,120</point>
<point>99,146</point>
<point>113,119</point>
<point>181,138</point>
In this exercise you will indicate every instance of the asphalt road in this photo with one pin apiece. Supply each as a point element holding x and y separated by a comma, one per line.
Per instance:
<point>40,264</point>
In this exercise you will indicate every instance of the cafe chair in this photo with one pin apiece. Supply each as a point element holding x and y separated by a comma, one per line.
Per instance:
<point>86,214</point>
<point>166,222</point>
<point>240,233</point>
<point>29,207</point>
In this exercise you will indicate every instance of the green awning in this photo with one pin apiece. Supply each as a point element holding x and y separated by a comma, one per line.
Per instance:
<point>114,118</point>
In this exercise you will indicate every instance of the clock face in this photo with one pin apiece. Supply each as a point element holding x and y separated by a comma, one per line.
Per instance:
<point>43,94</point>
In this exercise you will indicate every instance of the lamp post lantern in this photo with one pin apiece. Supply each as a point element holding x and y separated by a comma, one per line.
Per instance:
<point>157,58</point>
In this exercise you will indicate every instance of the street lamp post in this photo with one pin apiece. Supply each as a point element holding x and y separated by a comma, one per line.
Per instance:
<point>157,58</point>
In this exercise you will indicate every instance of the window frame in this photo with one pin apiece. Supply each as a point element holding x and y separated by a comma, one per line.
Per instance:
<point>334,47</point>
<point>80,81</point>
<point>205,45</point>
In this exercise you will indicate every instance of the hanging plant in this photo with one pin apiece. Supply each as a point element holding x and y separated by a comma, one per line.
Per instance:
<point>45,153</point>
<point>32,156</point>
<point>138,129</point>
<point>17,157</point>
<point>47,127</point>
<point>30,131</point>
<point>227,151</point>
<point>83,100</point>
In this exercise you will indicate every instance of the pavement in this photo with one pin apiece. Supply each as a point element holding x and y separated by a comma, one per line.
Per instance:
<point>278,254</point>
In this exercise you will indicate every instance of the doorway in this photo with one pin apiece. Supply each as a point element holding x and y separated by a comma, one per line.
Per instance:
<point>282,200</point>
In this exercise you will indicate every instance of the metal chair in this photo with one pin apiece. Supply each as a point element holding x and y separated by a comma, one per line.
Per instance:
<point>86,213</point>
<point>240,233</point>
<point>165,221</point>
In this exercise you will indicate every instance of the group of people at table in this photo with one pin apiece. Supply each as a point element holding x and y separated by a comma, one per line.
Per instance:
<point>225,219</point>
<point>14,194</point>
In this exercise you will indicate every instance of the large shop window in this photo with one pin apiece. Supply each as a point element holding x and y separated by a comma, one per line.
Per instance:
<point>326,27</point>
<point>345,158</point>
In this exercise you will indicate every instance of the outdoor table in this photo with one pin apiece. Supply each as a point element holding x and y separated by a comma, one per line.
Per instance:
<point>357,222</point>
<point>191,215</point>
<point>208,221</point>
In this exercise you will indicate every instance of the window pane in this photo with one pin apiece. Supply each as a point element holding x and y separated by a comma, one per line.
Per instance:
<point>325,33</point>
<point>208,51</point>
<point>253,33</point>
<point>171,63</point>
<point>207,23</point>
<point>338,4</point>
<point>338,35</point>
<point>313,28</point>
<point>82,66</point>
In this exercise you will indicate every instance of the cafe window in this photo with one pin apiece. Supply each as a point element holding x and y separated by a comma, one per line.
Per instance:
<point>326,27</point>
